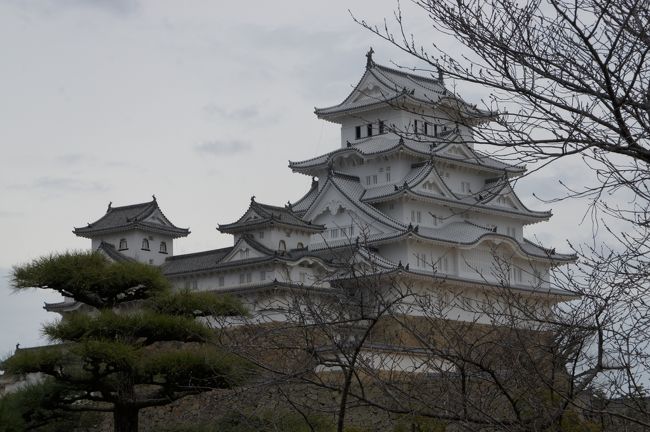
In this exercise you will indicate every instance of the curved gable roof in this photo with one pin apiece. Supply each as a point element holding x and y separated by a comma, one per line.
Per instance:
<point>259,214</point>
<point>144,216</point>
<point>381,145</point>
<point>381,85</point>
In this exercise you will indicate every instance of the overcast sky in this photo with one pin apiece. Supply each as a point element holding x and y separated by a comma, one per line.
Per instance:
<point>201,104</point>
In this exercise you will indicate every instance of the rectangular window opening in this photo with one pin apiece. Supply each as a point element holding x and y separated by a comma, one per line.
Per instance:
<point>369,127</point>
<point>357,132</point>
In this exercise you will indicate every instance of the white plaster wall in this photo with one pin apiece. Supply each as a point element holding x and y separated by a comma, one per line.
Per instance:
<point>232,278</point>
<point>426,210</point>
<point>432,258</point>
<point>485,306</point>
<point>400,166</point>
<point>453,176</point>
<point>395,252</point>
<point>391,118</point>
<point>134,243</point>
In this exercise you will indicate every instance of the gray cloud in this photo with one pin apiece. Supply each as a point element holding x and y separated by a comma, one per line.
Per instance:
<point>6,214</point>
<point>62,184</point>
<point>249,114</point>
<point>50,7</point>
<point>71,158</point>
<point>221,148</point>
<point>245,113</point>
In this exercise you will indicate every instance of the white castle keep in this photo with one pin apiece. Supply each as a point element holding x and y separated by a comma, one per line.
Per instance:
<point>405,192</point>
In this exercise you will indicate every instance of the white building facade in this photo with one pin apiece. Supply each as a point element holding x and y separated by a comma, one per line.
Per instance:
<point>404,192</point>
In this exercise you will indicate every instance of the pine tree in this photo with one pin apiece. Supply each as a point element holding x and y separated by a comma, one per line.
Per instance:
<point>142,345</point>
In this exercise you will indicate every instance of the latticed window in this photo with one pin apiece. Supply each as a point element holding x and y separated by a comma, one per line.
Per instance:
<point>145,244</point>
<point>282,245</point>
<point>163,247</point>
<point>123,244</point>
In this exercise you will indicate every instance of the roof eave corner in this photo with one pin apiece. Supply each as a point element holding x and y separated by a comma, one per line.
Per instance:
<point>79,233</point>
<point>330,117</point>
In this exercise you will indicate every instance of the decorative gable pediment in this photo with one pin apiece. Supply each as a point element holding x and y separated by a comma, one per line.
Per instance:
<point>434,185</point>
<point>243,250</point>
<point>251,216</point>
<point>457,151</point>
<point>157,218</point>
<point>370,91</point>
<point>334,210</point>
<point>506,200</point>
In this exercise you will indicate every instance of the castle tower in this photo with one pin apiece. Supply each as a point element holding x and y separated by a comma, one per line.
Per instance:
<point>139,231</point>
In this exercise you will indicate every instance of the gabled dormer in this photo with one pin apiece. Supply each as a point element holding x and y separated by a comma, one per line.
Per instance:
<point>277,228</point>
<point>138,231</point>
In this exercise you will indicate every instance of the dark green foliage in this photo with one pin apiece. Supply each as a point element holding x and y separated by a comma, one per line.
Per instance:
<point>140,328</point>
<point>91,279</point>
<point>143,345</point>
<point>195,366</point>
<point>34,407</point>
<point>197,304</point>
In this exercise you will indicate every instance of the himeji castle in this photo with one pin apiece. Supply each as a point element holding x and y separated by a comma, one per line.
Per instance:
<point>404,193</point>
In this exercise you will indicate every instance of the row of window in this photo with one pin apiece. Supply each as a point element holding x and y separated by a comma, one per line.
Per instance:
<point>379,128</point>
<point>416,217</point>
<point>282,246</point>
<point>384,172</point>
<point>145,245</point>
<point>339,232</point>
<point>428,129</point>
<point>244,278</point>
<point>371,129</point>
<point>442,265</point>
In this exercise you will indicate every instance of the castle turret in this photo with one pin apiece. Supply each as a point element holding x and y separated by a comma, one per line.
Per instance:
<point>139,231</point>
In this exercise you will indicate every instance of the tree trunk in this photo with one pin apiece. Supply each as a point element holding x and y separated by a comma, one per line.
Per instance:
<point>125,418</point>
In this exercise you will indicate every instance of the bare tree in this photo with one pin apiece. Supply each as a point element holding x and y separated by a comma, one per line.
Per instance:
<point>568,79</point>
<point>388,347</point>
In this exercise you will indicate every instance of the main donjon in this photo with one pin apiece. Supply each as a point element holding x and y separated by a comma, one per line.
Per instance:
<point>405,193</point>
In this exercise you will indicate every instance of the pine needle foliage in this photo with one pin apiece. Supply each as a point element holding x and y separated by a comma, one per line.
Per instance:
<point>141,345</point>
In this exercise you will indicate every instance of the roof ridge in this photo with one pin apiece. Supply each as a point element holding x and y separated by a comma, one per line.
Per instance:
<point>111,208</point>
<point>350,177</point>
<point>366,208</point>
<point>206,252</point>
<point>404,73</point>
